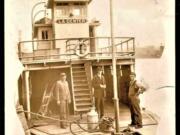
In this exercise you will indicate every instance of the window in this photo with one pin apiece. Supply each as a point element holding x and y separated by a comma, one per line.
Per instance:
<point>62,12</point>
<point>79,3</point>
<point>62,4</point>
<point>66,10</point>
<point>76,12</point>
<point>44,34</point>
<point>59,12</point>
<point>79,11</point>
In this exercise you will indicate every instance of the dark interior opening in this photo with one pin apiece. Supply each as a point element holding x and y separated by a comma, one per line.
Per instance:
<point>123,79</point>
<point>39,80</point>
<point>123,83</point>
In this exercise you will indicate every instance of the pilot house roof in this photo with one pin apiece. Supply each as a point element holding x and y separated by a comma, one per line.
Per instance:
<point>49,4</point>
<point>43,22</point>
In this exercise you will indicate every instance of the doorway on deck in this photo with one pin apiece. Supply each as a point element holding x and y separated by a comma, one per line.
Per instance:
<point>123,72</point>
<point>123,82</point>
<point>39,80</point>
<point>107,73</point>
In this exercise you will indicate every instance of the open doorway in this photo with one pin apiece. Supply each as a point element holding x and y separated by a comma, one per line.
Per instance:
<point>38,80</point>
<point>123,83</point>
<point>107,73</point>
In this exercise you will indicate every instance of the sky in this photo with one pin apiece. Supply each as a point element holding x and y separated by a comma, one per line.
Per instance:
<point>142,19</point>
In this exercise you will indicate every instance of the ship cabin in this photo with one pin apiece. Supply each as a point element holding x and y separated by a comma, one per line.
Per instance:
<point>68,42</point>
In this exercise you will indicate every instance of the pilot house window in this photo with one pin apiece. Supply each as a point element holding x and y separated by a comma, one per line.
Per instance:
<point>44,34</point>
<point>66,10</point>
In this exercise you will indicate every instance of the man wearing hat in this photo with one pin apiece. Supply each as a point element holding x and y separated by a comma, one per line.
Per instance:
<point>134,102</point>
<point>63,98</point>
<point>99,85</point>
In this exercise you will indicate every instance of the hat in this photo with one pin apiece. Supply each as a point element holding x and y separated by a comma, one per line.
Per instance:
<point>99,69</point>
<point>132,73</point>
<point>62,74</point>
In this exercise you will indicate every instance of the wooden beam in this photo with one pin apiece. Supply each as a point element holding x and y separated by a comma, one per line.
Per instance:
<point>45,68</point>
<point>27,94</point>
<point>132,68</point>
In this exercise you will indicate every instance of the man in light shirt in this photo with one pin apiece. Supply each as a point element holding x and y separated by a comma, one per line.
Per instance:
<point>63,99</point>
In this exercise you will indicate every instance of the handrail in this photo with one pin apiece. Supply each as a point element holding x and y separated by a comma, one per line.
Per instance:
<point>127,47</point>
<point>118,43</point>
<point>128,52</point>
<point>26,41</point>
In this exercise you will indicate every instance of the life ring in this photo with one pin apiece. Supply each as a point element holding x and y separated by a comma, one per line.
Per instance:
<point>77,51</point>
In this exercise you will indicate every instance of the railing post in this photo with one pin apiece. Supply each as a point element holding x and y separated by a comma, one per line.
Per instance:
<point>133,44</point>
<point>33,49</point>
<point>19,50</point>
<point>127,46</point>
<point>121,47</point>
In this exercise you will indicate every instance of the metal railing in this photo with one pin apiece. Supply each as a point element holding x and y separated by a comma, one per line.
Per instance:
<point>74,48</point>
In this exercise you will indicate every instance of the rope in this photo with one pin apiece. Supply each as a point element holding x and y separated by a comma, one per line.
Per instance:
<point>164,87</point>
<point>47,117</point>
<point>77,122</point>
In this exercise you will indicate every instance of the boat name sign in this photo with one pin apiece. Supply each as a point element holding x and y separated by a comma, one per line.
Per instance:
<point>71,21</point>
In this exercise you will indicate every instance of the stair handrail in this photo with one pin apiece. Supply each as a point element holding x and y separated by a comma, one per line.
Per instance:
<point>72,87</point>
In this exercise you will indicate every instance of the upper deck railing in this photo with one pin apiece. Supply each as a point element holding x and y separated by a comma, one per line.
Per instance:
<point>75,48</point>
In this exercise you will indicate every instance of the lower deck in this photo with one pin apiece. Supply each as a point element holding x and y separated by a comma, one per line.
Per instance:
<point>47,126</point>
<point>41,76</point>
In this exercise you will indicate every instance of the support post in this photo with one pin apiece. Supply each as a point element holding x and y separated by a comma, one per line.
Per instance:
<point>116,100</point>
<point>89,73</point>
<point>27,93</point>
<point>132,68</point>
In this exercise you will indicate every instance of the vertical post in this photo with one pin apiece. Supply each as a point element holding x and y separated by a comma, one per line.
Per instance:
<point>108,49</point>
<point>127,46</point>
<point>132,68</point>
<point>19,45</point>
<point>27,94</point>
<point>53,24</point>
<point>133,45</point>
<point>89,73</point>
<point>116,100</point>
<point>121,47</point>
<point>92,33</point>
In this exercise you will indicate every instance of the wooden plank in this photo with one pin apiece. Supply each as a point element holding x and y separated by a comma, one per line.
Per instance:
<point>37,132</point>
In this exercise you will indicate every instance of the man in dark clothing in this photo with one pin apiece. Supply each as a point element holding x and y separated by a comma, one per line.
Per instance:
<point>99,85</point>
<point>134,90</point>
<point>63,99</point>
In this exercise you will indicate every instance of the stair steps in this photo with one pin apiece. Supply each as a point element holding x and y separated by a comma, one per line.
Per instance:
<point>81,91</point>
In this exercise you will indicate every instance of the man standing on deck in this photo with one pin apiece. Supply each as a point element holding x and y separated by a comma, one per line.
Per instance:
<point>134,102</point>
<point>99,85</point>
<point>63,99</point>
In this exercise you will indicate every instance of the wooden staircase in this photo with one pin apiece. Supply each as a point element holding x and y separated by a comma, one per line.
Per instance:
<point>81,92</point>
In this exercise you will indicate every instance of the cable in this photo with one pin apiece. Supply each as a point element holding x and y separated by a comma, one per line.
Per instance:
<point>77,122</point>
<point>164,87</point>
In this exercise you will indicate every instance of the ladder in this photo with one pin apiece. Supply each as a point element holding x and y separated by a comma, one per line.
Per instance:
<point>47,95</point>
<point>82,96</point>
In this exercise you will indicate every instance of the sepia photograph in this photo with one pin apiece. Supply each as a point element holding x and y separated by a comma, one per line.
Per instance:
<point>89,67</point>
